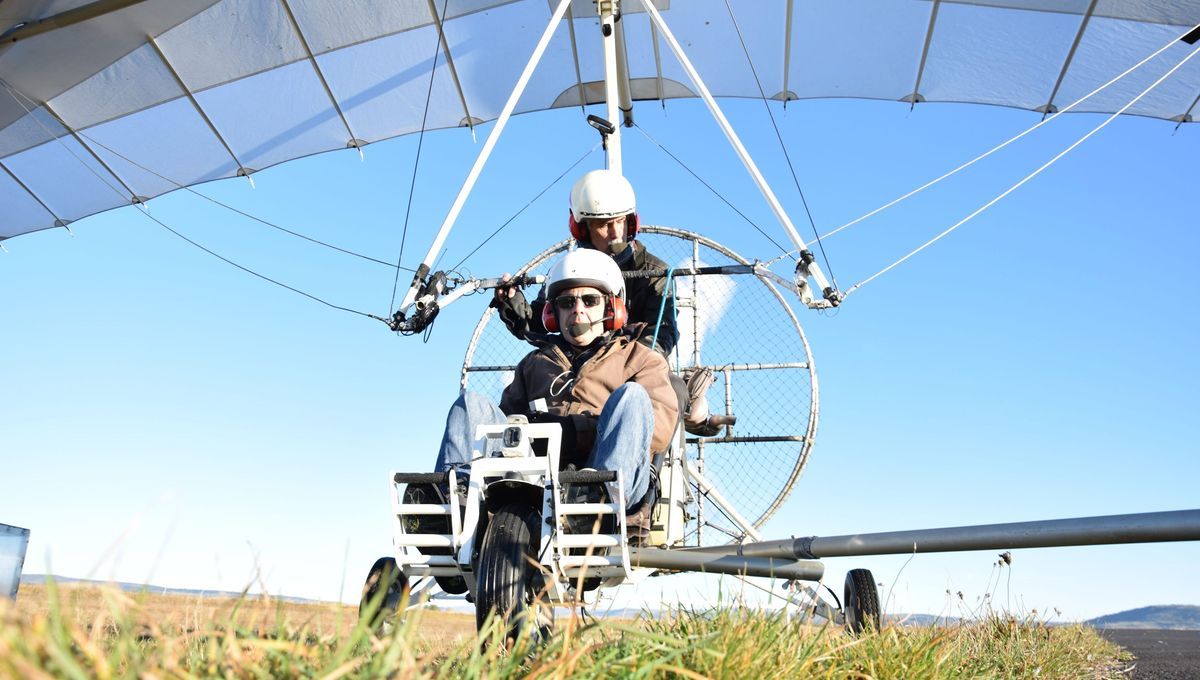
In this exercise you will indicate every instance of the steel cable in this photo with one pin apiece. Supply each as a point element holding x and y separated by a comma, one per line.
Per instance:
<point>779,136</point>
<point>1028,177</point>
<point>437,49</point>
<point>996,148</point>
<point>716,193</point>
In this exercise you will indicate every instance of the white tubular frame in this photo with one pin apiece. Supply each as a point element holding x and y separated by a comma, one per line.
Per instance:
<point>608,32</point>
<point>706,487</point>
<point>624,90</point>
<point>485,152</point>
<point>606,556</point>
<point>812,270</point>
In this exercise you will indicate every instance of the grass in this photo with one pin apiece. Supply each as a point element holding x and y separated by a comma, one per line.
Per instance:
<point>86,632</point>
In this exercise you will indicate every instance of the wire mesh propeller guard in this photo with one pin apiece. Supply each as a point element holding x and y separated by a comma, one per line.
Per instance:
<point>742,327</point>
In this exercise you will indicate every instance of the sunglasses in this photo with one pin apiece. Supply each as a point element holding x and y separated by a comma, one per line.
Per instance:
<point>567,302</point>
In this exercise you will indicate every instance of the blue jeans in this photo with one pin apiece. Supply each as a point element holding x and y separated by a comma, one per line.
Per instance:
<point>623,436</point>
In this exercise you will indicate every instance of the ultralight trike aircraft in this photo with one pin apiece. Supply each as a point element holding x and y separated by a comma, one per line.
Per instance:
<point>110,103</point>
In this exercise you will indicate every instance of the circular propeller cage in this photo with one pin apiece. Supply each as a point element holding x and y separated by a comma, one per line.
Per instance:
<point>744,329</point>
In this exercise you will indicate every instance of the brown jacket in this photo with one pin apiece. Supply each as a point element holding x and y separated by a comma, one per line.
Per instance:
<point>597,373</point>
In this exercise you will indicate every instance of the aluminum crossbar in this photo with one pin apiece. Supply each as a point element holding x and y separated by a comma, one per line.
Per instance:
<point>693,560</point>
<point>1149,527</point>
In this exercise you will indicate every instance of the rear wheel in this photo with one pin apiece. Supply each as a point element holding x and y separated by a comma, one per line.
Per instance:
<point>384,595</point>
<point>510,580</point>
<point>433,524</point>
<point>862,602</point>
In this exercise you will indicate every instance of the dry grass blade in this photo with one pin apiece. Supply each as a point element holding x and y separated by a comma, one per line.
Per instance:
<point>254,638</point>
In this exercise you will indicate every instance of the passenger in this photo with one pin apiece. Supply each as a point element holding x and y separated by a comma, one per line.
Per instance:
<point>611,393</point>
<point>604,218</point>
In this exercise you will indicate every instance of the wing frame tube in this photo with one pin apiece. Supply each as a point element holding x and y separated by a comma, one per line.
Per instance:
<point>70,17</point>
<point>612,97</point>
<point>806,268</point>
<point>484,153</point>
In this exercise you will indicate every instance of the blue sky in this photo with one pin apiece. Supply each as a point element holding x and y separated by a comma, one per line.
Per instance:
<point>170,419</point>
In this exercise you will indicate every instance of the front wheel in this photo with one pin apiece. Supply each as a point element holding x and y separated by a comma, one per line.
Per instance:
<point>384,595</point>
<point>510,578</point>
<point>862,602</point>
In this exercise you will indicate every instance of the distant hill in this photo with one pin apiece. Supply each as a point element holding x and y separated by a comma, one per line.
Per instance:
<point>1171,617</point>
<point>40,579</point>
<point>1162,617</point>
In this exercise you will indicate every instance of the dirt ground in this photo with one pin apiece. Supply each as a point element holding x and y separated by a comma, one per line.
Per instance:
<point>90,606</point>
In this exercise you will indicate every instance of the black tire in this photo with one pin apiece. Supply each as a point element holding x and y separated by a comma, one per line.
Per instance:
<point>427,524</point>
<point>384,594</point>
<point>862,602</point>
<point>509,580</point>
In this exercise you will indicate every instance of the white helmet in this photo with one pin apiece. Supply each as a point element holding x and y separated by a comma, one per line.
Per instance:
<point>585,267</point>
<point>602,194</point>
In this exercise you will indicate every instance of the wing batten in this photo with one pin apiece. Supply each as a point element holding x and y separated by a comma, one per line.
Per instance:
<point>1049,106</point>
<point>134,198</point>
<point>242,170</point>
<point>34,196</point>
<point>354,141</point>
<point>916,97</point>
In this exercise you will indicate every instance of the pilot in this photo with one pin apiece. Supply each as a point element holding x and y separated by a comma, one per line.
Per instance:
<point>589,372</point>
<point>603,218</point>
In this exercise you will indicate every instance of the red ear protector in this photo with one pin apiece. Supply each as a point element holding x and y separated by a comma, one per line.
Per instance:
<point>580,232</point>
<point>615,315</point>
<point>549,318</point>
<point>618,315</point>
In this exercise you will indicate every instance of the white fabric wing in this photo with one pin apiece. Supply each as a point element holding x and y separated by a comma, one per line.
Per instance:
<point>159,94</point>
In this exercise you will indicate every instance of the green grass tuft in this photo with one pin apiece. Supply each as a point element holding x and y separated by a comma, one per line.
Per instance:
<point>106,633</point>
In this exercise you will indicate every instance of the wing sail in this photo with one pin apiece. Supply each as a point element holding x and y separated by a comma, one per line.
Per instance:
<point>154,95</point>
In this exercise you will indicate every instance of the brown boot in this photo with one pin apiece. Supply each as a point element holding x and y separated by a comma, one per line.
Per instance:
<point>712,425</point>
<point>637,526</point>
<point>637,521</point>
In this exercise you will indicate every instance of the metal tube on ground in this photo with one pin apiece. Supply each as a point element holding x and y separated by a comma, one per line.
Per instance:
<point>1149,527</point>
<point>679,560</point>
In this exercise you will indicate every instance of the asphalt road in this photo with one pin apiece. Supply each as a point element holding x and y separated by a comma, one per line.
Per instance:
<point>1161,654</point>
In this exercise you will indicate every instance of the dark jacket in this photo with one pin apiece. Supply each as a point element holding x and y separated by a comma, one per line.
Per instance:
<point>643,300</point>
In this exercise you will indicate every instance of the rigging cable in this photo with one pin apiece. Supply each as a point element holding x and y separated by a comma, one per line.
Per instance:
<point>778,135</point>
<point>1028,177</point>
<point>714,192</point>
<point>437,49</point>
<point>526,206</point>
<point>243,213</point>
<point>83,135</point>
<point>254,273</point>
<point>993,150</point>
<point>162,224</point>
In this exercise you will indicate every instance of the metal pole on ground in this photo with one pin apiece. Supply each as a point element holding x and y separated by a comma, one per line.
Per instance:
<point>1149,527</point>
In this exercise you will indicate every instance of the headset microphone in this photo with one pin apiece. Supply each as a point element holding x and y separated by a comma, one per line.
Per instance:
<point>578,329</point>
